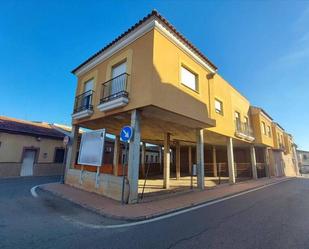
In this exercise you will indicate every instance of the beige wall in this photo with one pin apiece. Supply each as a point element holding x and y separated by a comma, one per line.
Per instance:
<point>282,164</point>
<point>12,146</point>
<point>277,132</point>
<point>232,101</point>
<point>140,68</point>
<point>108,185</point>
<point>257,117</point>
<point>11,151</point>
<point>167,90</point>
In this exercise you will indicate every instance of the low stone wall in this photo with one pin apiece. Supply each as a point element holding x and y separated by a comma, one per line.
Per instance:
<point>47,169</point>
<point>108,185</point>
<point>9,169</point>
<point>39,169</point>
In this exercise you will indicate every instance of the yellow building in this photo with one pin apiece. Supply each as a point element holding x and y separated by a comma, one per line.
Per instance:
<point>172,95</point>
<point>30,148</point>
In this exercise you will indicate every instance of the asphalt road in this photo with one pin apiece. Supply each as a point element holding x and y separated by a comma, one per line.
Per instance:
<point>274,217</point>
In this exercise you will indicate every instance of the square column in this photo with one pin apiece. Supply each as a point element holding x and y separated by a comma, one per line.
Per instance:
<point>190,159</point>
<point>134,155</point>
<point>230,159</point>
<point>143,158</point>
<point>177,160</point>
<point>160,158</point>
<point>167,161</point>
<point>72,149</point>
<point>214,161</point>
<point>200,158</point>
<point>267,162</point>
<point>253,162</point>
<point>116,155</point>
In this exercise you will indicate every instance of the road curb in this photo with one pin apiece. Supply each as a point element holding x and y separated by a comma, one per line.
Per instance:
<point>156,215</point>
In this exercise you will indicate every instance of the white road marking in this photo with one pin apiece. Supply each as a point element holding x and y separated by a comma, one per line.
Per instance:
<point>33,192</point>
<point>166,216</point>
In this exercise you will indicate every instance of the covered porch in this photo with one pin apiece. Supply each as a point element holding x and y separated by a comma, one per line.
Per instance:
<point>161,155</point>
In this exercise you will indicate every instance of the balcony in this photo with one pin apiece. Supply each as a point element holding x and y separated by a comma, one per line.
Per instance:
<point>282,147</point>
<point>83,105</point>
<point>244,131</point>
<point>114,93</point>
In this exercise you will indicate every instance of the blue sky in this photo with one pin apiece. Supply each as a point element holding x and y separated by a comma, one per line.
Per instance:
<point>260,47</point>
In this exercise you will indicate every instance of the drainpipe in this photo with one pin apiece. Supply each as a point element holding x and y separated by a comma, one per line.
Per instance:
<point>209,77</point>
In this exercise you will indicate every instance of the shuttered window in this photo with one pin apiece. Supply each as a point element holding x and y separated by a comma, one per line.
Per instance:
<point>188,78</point>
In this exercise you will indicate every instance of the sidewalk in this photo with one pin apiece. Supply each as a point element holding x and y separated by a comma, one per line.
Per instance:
<point>145,210</point>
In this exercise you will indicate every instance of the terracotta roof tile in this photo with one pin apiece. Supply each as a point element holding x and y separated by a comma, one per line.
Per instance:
<point>154,13</point>
<point>12,125</point>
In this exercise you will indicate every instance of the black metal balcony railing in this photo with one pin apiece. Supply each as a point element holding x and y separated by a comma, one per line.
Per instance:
<point>83,102</point>
<point>243,128</point>
<point>115,88</point>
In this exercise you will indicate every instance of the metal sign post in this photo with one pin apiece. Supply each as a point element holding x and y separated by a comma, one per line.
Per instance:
<point>125,135</point>
<point>193,173</point>
<point>124,172</point>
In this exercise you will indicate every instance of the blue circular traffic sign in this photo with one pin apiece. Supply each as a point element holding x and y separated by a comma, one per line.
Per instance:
<point>126,133</point>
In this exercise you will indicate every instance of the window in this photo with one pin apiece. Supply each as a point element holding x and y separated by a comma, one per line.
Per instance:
<point>304,157</point>
<point>146,159</point>
<point>237,120</point>
<point>88,86</point>
<point>59,155</point>
<point>264,128</point>
<point>118,82</point>
<point>246,124</point>
<point>218,106</point>
<point>188,78</point>
<point>151,158</point>
<point>268,131</point>
<point>247,121</point>
<point>86,100</point>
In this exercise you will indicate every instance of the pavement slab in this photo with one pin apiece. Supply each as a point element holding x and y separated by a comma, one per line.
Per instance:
<point>156,207</point>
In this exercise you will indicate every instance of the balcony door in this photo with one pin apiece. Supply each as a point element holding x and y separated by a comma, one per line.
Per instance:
<point>86,100</point>
<point>88,86</point>
<point>237,121</point>
<point>118,82</point>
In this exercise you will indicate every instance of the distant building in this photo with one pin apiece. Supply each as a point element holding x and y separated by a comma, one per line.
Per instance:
<point>303,161</point>
<point>30,148</point>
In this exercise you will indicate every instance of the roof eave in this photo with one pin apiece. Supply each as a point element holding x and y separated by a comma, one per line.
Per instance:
<point>153,15</point>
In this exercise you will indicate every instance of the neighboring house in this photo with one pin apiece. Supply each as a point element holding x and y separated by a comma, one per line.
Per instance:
<point>303,161</point>
<point>30,148</point>
<point>153,78</point>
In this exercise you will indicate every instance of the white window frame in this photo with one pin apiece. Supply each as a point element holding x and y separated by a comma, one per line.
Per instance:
<point>88,82</point>
<point>186,78</point>
<point>220,109</point>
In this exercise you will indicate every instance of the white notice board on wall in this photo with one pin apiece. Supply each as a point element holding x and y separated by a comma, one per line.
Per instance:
<point>91,149</point>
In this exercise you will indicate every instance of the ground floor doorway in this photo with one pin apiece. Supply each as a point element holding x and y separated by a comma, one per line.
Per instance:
<point>28,160</point>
